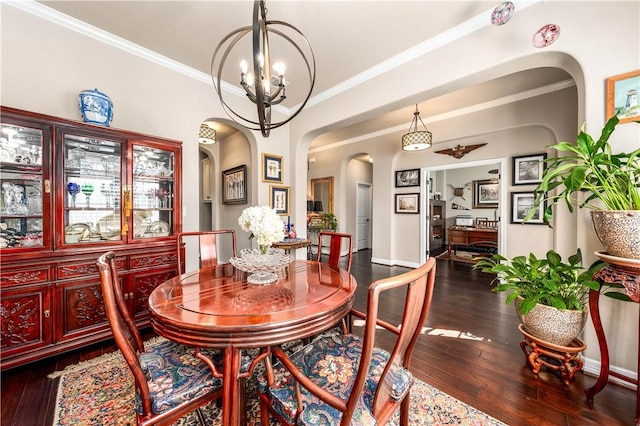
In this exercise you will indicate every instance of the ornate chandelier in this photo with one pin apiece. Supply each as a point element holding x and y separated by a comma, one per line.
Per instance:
<point>416,140</point>
<point>257,82</point>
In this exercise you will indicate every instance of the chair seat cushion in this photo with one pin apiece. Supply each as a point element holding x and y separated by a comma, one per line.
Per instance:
<point>331,361</point>
<point>175,375</point>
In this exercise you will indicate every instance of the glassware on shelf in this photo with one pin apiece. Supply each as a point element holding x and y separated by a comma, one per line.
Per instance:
<point>163,194</point>
<point>73,189</point>
<point>13,199</point>
<point>109,190</point>
<point>87,190</point>
<point>34,199</point>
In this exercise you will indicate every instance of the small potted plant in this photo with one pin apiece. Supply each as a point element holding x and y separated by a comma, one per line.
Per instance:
<point>610,182</point>
<point>331,221</point>
<point>550,295</point>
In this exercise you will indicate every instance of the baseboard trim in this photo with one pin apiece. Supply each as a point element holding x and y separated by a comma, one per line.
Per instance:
<point>592,368</point>
<point>388,262</point>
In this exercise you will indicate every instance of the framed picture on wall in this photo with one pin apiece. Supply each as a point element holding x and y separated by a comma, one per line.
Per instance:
<point>271,168</point>
<point>405,178</point>
<point>486,193</point>
<point>527,170</point>
<point>234,185</point>
<point>408,203</point>
<point>622,96</point>
<point>521,204</point>
<point>279,199</point>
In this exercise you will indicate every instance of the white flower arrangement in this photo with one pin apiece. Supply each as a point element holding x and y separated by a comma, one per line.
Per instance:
<point>263,223</point>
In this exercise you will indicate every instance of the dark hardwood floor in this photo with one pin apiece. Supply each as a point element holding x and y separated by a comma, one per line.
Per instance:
<point>474,355</point>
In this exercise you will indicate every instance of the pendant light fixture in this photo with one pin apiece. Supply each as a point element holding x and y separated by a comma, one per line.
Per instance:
<point>207,134</point>
<point>257,81</point>
<point>416,140</point>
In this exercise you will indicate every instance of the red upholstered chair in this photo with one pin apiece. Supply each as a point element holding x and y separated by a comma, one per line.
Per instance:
<point>342,379</point>
<point>170,381</point>
<point>213,247</point>
<point>336,240</point>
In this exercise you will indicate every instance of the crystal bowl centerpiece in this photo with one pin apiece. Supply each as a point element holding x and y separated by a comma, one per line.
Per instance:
<point>264,268</point>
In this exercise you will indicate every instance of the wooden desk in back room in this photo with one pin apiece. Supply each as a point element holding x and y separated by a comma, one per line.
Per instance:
<point>483,240</point>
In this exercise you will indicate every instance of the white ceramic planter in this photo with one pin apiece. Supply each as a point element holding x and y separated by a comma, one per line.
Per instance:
<point>618,231</point>
<point>559,327</point>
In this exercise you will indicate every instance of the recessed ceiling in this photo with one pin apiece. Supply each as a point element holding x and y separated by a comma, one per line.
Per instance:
<point>348,38</point>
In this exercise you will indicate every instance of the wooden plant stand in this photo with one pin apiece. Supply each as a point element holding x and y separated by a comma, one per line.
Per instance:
<point>557,358</point>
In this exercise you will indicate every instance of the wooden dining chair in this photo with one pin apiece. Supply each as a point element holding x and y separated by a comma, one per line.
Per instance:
<point>342,379</point>
<point>170,381</point>
<point>213,246</point>
<point>335,247</point>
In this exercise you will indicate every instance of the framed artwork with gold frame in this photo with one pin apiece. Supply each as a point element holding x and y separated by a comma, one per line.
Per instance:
<point>279,199</point>
<point>271,168</point>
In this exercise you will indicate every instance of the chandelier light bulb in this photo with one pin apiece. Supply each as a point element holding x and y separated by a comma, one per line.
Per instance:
<point>243,66</point>
<point>279,67</point>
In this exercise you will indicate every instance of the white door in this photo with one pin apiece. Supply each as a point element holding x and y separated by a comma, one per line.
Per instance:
<point>363,216</point>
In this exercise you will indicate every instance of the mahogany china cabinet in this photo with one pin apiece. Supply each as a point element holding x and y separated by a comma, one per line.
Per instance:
<point>70,191</point>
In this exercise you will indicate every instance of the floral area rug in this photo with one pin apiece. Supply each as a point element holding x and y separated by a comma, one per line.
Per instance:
<point>101,392</point>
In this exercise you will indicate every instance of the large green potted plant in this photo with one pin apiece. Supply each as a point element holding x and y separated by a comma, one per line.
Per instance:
<point>550,295</point>
<point>610,184</point>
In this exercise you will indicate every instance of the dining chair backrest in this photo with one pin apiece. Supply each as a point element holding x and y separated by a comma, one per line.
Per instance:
<point>379,381</point>
<point>152,407</point>
<point>336,240</point>
<point>125,333</point>
<point>419,285</point>
<point>214,247</point>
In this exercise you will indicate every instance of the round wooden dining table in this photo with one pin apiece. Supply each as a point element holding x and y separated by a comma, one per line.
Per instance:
<point>217,308</point>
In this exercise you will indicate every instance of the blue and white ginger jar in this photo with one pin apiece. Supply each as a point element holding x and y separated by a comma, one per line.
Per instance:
<point>96,107</point>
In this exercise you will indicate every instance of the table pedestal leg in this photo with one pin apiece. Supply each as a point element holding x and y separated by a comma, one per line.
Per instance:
<point>232,399</point>
<point>603,377</point>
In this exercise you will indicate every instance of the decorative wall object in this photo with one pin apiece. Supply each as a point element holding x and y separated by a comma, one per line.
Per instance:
<point>96,107</point>
<point>545,36</point>
<point>459,192</point>
<point>234,185</point>
<point>408,203</point>
<point>455,206</point>
<point>502,13</point>
<point>405,178</point>
<point>486,193</point>
<point>622,96</point>
<point>521,204</point>
<point>460,151</point>
<point>527,170</point>
<point>279,199</point>
<point>271,168</point>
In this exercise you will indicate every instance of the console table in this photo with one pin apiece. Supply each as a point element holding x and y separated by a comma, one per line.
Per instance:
<point>289,244</point>
<point>627,273</point>
<point>480,237</point>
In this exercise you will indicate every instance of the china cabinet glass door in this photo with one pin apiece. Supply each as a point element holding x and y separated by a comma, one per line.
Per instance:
<point>24,187</point>
<point>92,189</point>
<point>153,191</point>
